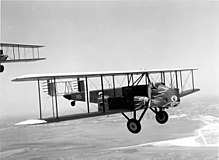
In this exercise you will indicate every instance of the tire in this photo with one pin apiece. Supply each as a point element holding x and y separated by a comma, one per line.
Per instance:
<point>162,117</point>
<point>2,68</point>
<point>134,126</point>
<point>73,103</point>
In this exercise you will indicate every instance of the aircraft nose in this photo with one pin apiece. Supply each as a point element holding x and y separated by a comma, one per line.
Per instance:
<point>175,100</point>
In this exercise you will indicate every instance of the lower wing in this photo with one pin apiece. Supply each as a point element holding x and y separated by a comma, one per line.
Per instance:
<point>189,91</point>
<point>23,60</point>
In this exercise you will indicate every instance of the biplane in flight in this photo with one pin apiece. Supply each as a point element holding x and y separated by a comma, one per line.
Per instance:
<point>116,92</point>
<point>11,52</point>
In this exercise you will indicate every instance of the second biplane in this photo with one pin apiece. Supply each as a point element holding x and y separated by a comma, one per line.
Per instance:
<point>11,52</point>
<point>117,92</point>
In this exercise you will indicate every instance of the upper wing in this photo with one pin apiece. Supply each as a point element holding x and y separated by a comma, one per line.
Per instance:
<point>15,45</point>
<point>35,77</point>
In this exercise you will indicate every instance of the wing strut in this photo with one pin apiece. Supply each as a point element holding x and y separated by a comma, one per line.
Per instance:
<point>101,78</point>
<point>181,81</point>
<point>176,79</point>
<point>40,106</point>
<point>57,115</point>
<point>87,92</point>
<point>193,84</point>
<point>114,89</point>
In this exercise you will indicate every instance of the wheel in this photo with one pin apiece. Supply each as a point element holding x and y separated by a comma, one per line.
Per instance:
<point>73,103</point>
<point>1,68</point>
<point>134,126</point>
<point>162,117</point>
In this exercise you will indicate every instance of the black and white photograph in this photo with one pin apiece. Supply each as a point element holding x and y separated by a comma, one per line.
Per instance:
<point>109,80</point>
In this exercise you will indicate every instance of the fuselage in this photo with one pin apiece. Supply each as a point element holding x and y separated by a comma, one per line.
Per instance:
<point>161,95</point>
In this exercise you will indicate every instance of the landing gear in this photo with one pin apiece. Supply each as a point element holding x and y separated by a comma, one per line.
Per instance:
<point>134,126</point>
<point>161,117</point>
<point>2,68</point>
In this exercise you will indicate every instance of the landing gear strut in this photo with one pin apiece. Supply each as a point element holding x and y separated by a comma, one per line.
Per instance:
<point>134,125</point>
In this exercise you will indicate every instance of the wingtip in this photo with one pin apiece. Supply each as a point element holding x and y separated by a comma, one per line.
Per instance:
<point>14,80</point>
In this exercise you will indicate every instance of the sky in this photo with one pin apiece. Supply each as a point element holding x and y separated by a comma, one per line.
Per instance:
<point>82,36</point>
